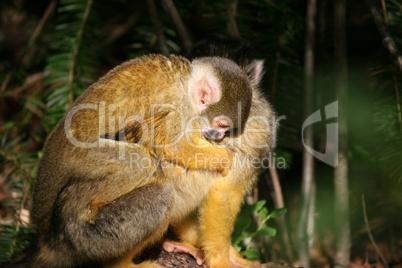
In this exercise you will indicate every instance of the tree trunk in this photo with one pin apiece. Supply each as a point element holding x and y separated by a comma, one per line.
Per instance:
<point>342,228</point>
<point>305,228</point>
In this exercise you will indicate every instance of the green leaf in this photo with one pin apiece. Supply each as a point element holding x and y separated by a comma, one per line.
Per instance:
<point>263,214</point>
<point>278,212</point>
<point>257,206</point>
<point>252,254</point>
<point>267,231</point>
<point>243,223</point>
<point>238,240</point>
<point>8,124</point>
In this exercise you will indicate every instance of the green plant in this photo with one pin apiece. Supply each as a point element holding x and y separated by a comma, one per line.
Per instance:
<point>245,231</point>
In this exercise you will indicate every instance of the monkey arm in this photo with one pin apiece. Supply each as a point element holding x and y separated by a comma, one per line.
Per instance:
<point>194,152</point>
<point>200,154</point>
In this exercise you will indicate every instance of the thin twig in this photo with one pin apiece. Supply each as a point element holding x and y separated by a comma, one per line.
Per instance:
<point>28,171</point>
<point>280,203</point>
<point>75,52</point>
<point>366,223</point>
<point>384,11</point>
<point>278,56</point>
<point>26,59</point>
<point>388,41</point>
<point>272,4</point>
<point>181,29</point>
<point>6,82</point>
<point>398,104</point>
<point>14,160</point>
<point>153,13</point>
<point>235,5</point>
<point>50,8</point>
<point>19,223</point>
<point>233,25</point>
<point>120,30</point>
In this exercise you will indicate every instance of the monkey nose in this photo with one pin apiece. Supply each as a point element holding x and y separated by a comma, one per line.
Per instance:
<point>212,134</point>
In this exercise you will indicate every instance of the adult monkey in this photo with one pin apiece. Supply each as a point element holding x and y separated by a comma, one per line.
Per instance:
<point>91,206</point>
<point>84,217</point>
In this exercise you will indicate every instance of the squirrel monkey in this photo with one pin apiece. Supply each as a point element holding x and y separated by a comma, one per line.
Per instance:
<point>211,227</point>
<point>113,173</point>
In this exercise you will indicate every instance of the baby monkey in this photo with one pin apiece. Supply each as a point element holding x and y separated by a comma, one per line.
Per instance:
<point>91,204</point>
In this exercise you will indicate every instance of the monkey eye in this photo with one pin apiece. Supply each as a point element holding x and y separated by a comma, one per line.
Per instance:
<point>222,125</point>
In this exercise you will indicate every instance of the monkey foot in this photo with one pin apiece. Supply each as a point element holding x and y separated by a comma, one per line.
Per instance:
<point>182,247</point>
<point>238,262</point>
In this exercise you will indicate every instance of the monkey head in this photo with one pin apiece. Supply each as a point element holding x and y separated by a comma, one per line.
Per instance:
<point>221,92</point>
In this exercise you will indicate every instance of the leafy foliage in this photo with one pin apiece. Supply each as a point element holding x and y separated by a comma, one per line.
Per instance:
<point>69,71</point>
<point>244,231</point>
<point>18,137</point>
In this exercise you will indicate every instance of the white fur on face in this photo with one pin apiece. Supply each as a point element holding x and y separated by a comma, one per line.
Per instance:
<point>203,82</point>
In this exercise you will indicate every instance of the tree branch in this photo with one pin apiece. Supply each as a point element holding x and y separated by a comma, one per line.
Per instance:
<point>50,8</point>
<point>153,13</point>
<point>75,52</point>
<point>171,9</point>
<point>387,39</point>
<point>181,260</point>
<point>366,223</point>
<point>231,15</point>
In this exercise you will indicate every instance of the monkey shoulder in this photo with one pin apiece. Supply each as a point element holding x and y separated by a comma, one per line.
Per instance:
<point>151,66</point>
<point>148,76</point>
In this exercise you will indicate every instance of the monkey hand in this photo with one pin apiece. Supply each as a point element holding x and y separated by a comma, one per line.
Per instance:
<point>211,157</point>
<point>200,155</point>
<point>223,163</point>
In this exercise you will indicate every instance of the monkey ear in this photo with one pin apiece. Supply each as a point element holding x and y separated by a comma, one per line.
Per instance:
<point>255,71</point>
<point>206,94</point>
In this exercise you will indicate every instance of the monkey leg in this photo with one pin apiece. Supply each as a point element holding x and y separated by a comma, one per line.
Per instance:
<point>218,215</point>
<point>107,233</point>
<point>200,154</point>
<point>188,230</point>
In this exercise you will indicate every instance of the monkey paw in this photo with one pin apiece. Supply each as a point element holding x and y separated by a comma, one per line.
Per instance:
<point>182,247</point>
<point>225,163</point>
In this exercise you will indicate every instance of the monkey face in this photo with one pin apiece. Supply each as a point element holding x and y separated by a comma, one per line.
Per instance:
<point>221,92</point>
<point>216,131</point>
